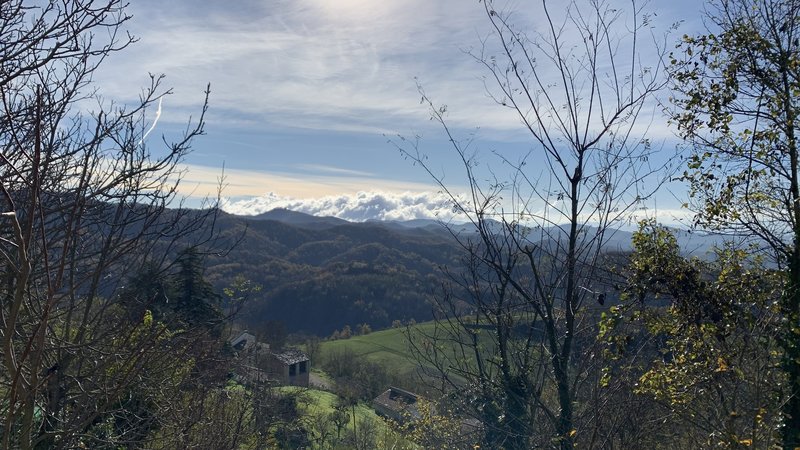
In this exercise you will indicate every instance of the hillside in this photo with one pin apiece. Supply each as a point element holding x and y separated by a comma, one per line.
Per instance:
<point>321,274</point>
<point>389,348</point>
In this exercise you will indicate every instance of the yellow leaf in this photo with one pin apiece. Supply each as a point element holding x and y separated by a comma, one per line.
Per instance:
<point>746,442</point>
<point>573,433</point>
<point>722,366</point>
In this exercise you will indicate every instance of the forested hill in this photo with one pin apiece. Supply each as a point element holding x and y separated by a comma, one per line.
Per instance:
<point>320,274</point>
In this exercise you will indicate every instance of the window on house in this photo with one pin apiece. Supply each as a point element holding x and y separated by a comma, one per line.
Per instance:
<point>292,370</point>
<point>303,366</point>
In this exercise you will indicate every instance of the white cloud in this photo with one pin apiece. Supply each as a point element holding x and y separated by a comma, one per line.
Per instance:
<point>344,65</point>
<point>383,205</point>
<point>319,64</point>
<point>305,63</point>
<point>357,207</point>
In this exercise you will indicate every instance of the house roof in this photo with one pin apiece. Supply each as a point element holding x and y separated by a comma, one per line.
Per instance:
<point>398,400</point>
<point>291,356</point>
<point>245,340</point>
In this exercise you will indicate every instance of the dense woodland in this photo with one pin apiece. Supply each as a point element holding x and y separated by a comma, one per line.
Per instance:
<point>320,276</point>
<point>540,330</point>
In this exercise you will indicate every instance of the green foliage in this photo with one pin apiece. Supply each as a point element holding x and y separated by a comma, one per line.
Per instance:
<point>239,292</point>
<point>329,423</point>
<point>317,281</point>
<point>181,298</point>
<point>197,302</point>
<point>438,428</point>
<point>702,340</point>
<point>737,103</point>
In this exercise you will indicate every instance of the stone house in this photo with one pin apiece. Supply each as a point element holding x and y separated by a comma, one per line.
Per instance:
<point>398,405</point>
<point>257,363</point>
<point>290,367</point>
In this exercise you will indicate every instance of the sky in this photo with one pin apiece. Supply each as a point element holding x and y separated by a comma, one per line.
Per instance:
<point>308,97</point>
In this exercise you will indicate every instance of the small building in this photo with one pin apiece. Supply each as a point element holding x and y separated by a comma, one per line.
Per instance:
<point>290,367</point>
<point>398,405</point>
<point>244,341</point>
<point>248,365</point>
<point>257,363</point>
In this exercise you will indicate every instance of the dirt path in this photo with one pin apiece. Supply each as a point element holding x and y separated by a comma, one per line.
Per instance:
<point>317,382</point>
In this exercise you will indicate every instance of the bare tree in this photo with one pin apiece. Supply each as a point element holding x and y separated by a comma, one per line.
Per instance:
<point>84,202</point>
<point>514,330</point>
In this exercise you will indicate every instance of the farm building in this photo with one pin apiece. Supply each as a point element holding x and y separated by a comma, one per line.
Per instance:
<point>259,364</point>
<point>398,405</point>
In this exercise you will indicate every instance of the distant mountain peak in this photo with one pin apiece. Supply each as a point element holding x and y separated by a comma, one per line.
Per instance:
<point>297,218</point>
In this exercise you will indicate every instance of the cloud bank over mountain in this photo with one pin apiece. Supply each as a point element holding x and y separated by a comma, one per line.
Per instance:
<point>358,207</point>
<point>388,206</point>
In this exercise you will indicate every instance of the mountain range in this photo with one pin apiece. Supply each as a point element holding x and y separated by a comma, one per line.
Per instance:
<point>320,274</point>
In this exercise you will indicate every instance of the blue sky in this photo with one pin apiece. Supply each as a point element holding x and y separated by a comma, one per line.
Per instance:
<point>305,93</point>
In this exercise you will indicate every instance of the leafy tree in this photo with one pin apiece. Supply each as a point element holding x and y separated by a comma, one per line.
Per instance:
<point>240,291</point>
<point>438,429</point>
<point>340,418</point>
<point>699,339</point>
<point>517,312</point>
<point>737,103</point>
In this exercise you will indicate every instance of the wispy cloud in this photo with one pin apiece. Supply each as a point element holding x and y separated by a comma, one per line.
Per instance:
<point>340,65</point>
<point>155,121</point>
<point>203,181</point>
<point>337,65</point>
<point>319,168</point>
<point>289,66</point>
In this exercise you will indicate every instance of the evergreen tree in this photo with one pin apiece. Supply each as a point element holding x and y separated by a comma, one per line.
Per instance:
<point>197,304</point>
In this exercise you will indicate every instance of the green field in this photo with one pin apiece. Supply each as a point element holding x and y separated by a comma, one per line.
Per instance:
<point>315,401</point>
<point>388,348</point>
<point>391,348</point>
<point>323,402</point>
<point>319,404</point>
